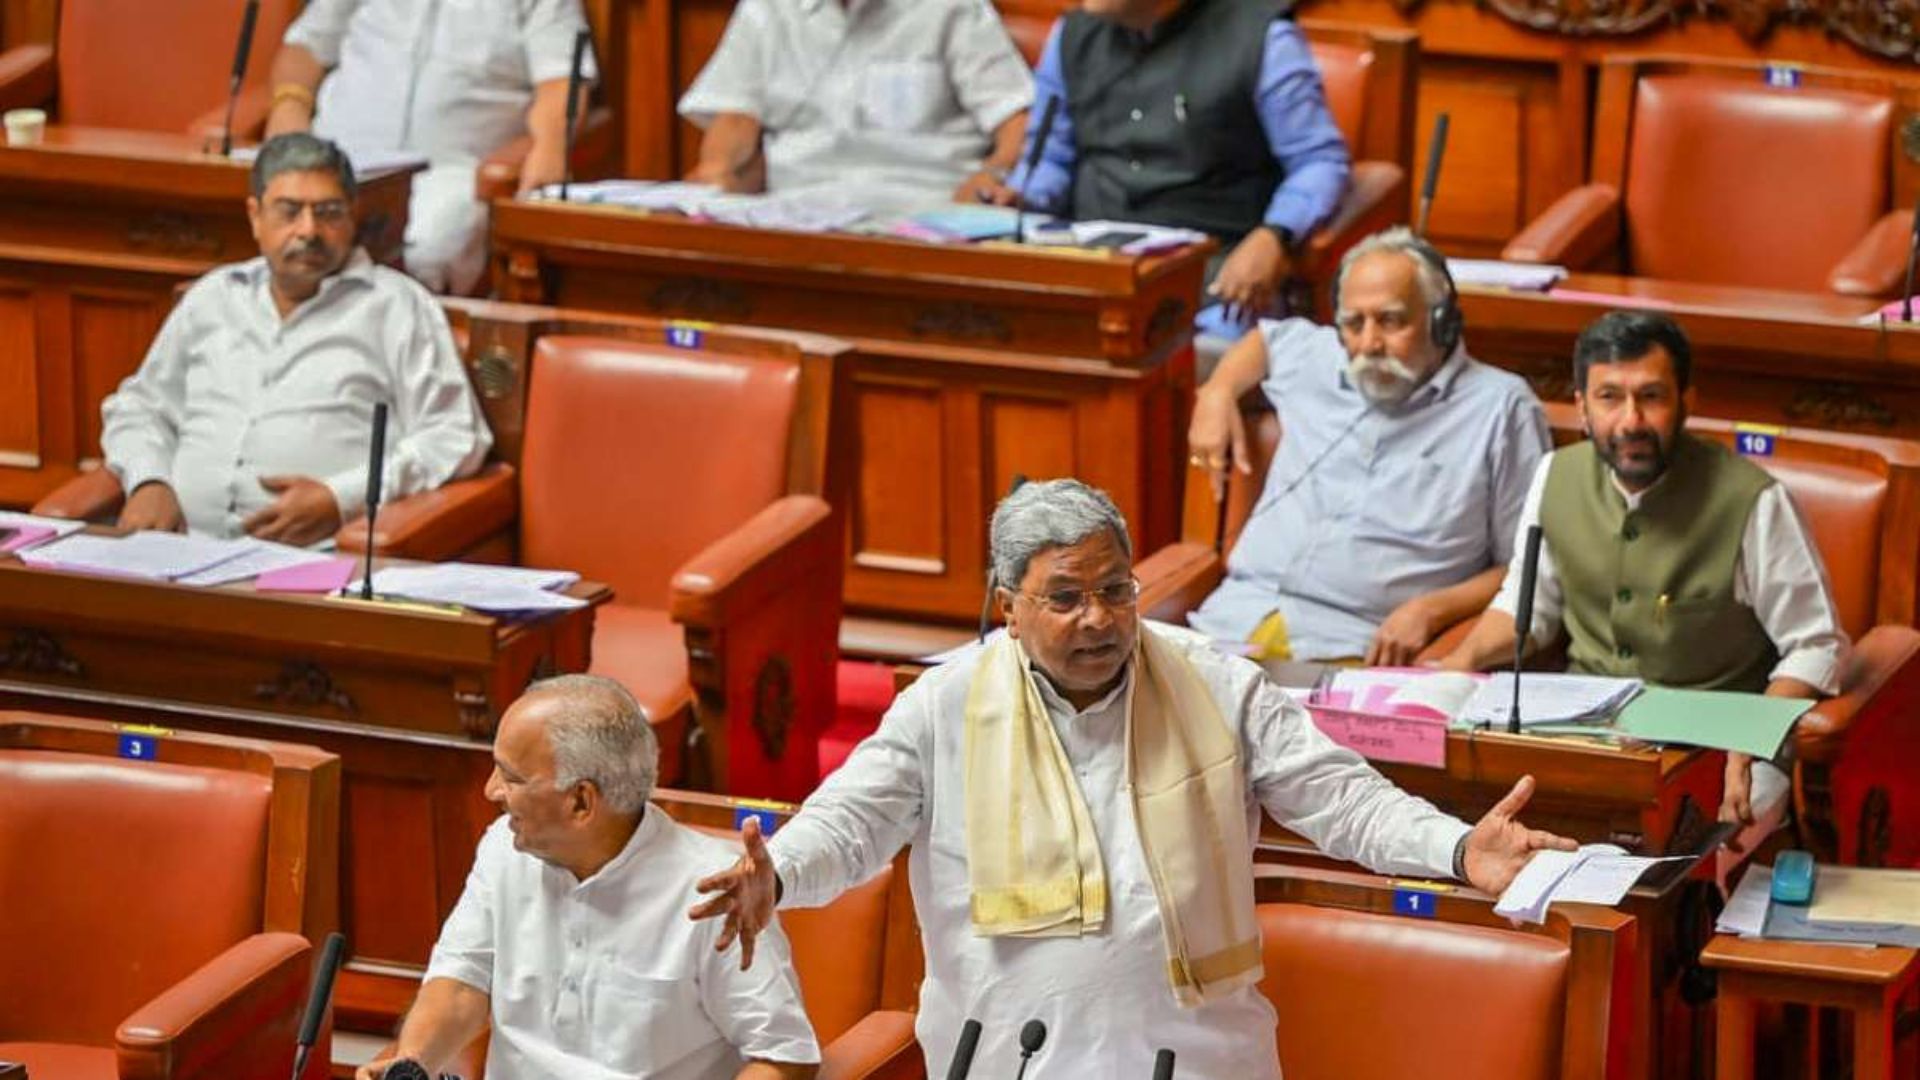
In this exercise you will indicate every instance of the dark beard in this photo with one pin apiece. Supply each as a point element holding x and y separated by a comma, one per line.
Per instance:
<point>1637,474</point>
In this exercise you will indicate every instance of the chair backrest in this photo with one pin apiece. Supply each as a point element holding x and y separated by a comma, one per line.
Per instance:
<point>123,875</point>
<point>1344,70</point>
<point>1825,152</point>
<point>636,456</point>
<point>110,76</point>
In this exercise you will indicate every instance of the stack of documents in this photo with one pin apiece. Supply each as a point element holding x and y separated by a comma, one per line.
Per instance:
<point>22,531</point>
<point>791,212</point>
<point>1499,274</point>
<point>498,589</point>
<point>254,557</point>
<point>1595,874</point>
<point>1549,702</point>
<point>156,556</point>
<point>1851,906</point>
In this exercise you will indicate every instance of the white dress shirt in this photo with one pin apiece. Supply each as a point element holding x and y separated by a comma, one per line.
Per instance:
<point>1778,574</point>
<point>450,79</point>
<point>1104,996</point>
<point>607,978</point>
<point>891,101</point>
<point>231,392</point>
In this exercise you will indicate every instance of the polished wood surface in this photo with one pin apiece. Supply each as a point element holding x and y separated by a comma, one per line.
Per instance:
<point>1867,984</point>
<point>406,695</point>
<point>98,228</point>
<point>972,365</point>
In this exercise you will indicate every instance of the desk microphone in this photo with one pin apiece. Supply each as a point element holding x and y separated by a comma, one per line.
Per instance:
<point>1032,1036</point>
<point>1033,162</point>
<point>1163,1065</point>
<point>581,42</point>
<point>1436,152</point>
<point>1913,248</point>
<point>376,471</point>
<point>962,1062</point>
<point>318,1000</point>
<point>241,51</point>
<point>1523,619</point>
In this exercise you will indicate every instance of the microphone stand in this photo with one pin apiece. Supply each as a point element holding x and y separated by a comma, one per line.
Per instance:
<point>1436,151</point>
<point>1033,162</point>
<point>581,42</point>
<point>376,472</point>
<point>241,52</point>
<point>1523,620</point>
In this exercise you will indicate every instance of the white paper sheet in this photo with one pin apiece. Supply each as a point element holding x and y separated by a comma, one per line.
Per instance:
<point>1548,699</point>
<point>259,557</point>
<point>1498,273</point>
<point>483,588</point>
<point>1595,874</point>
<point>10,519</point>
<point>155,555</point>
<point>1746,911</point>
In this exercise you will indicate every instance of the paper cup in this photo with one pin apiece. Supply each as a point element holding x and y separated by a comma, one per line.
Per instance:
<point>25,127</point>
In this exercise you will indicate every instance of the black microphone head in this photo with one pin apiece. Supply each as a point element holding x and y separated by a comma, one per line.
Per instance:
<point>1163,1065</point>
<point>245,47</point>
<point>407,1069</point>
<point>963,1052</point>
<point>1033,1035</point>
<point>323,975</point>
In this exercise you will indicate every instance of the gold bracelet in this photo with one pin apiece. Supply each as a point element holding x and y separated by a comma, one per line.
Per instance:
<point>292,92</point>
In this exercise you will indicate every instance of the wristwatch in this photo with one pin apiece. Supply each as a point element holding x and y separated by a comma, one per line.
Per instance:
<point>1460,859</point>
<point>1283,234</point>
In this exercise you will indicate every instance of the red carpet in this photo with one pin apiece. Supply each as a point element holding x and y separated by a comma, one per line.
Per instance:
<point>863,692</point>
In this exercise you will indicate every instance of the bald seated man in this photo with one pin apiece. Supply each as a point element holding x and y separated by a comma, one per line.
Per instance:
<point>571,940</point>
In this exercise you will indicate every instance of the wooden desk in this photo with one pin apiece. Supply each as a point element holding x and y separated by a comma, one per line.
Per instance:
<point>407,697</point>
<point>1867,983</point>
<point>1758,355</point>
<point>973,365</point>
<point>98,228</point>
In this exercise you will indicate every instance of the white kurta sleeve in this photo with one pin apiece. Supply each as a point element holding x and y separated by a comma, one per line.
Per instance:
<point>436,432</point>
<point>321,27</point>
<point>1786,585</point>
<point>549,29</point>
<point>759,1010</point>
<point>863,814</point>
<point>140,422</point>
<point>734,80</point>
<point>465,950</point>
<point>992,80</point>
<point>1331,796</point>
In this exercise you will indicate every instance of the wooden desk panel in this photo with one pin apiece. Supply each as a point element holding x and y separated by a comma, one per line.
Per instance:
<point>973,365</point>
<point>407,698</point>
<point>1868,984</point>
<point>98,229</point>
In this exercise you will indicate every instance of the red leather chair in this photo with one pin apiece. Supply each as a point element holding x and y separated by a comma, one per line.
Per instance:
<point>158,910</point>
<point>101,69</point>
<point>1677,147</point>
<point>1469,996</point>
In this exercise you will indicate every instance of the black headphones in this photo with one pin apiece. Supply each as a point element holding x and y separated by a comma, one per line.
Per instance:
<point>1444,321</point>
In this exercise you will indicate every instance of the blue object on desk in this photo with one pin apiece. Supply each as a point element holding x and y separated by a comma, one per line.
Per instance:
<point>1793,875</point>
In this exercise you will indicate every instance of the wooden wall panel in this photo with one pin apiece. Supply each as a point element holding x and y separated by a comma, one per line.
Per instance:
<point>111,334</point>
<point>1481,191</point>
<point>1025,434</point>
<point>902,434</point>
<point>19,381</point>
<point>396,920</point>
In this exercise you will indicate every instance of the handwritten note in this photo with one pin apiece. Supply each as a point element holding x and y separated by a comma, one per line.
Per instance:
<point>1403,739</point>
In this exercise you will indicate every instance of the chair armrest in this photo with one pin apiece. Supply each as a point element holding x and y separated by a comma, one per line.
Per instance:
<point>94,496</point>
<point>1376,200</point>
<point>440,524</point>
<point>749,566</point>
<point>1883,674</point>
<point>1175,579</point>
<point>1579,230</point>
<point>26,77</point>
<point>249,118</point>
<point>880,1047</point>
<point>499,173</point>
<point>238,1015</point>
<point>1877,265</point>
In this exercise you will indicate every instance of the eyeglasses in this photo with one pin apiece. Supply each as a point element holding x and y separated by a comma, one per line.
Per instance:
<point>325,212</point>
<point>1117,596</point>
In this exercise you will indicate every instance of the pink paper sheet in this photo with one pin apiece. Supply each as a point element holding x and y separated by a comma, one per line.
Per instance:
<point>315,577</point>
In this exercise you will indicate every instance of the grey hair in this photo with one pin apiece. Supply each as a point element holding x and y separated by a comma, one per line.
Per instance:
<point>1402,241</point>
<point>298,151</point>
<point>1047,514</point>
<point>601,734</point>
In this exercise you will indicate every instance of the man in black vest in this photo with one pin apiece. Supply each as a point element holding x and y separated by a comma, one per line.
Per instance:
<point>1197,114</point>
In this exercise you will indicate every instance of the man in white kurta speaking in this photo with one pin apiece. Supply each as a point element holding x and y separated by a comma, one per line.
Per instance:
<point>568,944</point>
<point>252,412</point>
<point>453,80</point>
<point>1082,795</point>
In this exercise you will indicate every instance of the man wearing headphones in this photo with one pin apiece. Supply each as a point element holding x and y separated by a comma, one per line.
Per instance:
<point>1390,505</point>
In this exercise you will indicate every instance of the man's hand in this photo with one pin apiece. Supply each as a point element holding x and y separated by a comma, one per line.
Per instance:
<point>985,187</point>
<point>304,513</point>
<point>746,894</point>
<point>1736,797</point>
<point>153,505</point>
<point>288,115</point>
<point>1499,846</point>
<point>1217,437</point>
<point>1400,638</point>
<point>544,165</point>
<point>1252,272</point>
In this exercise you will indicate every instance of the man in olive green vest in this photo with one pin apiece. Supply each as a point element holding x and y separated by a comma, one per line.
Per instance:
<point>1667,557</point>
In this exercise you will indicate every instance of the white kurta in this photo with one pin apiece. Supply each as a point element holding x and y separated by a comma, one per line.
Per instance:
<point>450,79</point>
<point>1104,997</point>
<point>230,392</point>
<point>607,978</point>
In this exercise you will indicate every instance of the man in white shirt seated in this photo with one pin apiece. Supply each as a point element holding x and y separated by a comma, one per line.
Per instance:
<point>571,939</point>
<point>1082,795</point>
<point>252,413</point>
<point>896,103</point>
<point>1666,557</point>
<point>453,80</point>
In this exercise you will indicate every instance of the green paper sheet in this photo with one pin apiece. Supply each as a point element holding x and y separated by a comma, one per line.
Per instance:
<point>1749,723</point>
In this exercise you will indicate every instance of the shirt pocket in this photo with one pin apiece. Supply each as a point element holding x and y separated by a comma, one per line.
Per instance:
<point>642,1021</point>
<point>906,95</point>
<point>476,34</point>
